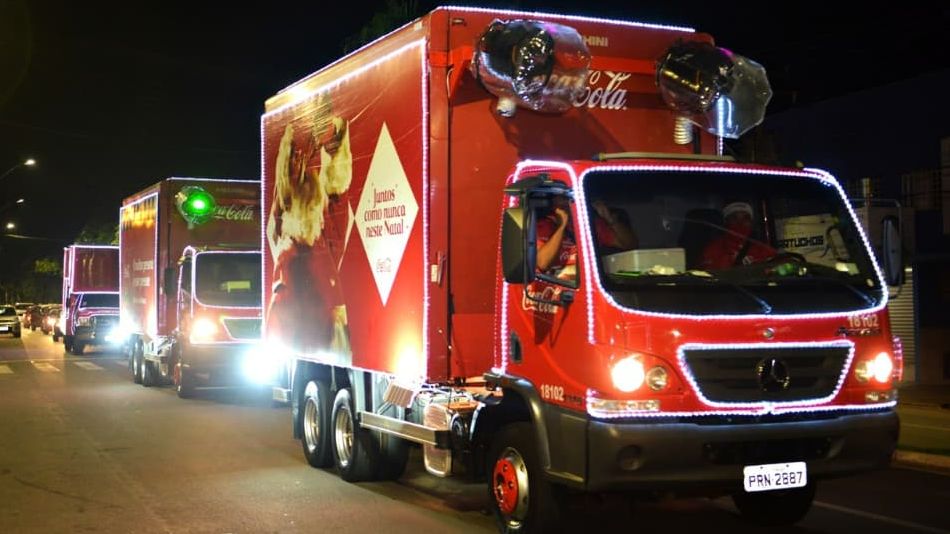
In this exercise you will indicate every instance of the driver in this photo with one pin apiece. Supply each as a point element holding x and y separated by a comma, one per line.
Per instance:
<point>735,246</point>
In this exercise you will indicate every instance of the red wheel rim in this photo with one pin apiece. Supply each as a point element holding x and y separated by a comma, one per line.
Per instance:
<point>505,483</point>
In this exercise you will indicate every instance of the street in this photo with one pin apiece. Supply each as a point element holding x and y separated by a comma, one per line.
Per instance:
<point>83,449</point>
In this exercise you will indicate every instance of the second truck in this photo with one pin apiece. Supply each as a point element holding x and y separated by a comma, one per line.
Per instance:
<point>190,281</point>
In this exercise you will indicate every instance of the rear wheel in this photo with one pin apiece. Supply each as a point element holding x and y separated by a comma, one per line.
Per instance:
<point>77,348</point>
<point>356,456</point>
<point>521,498</point>
<point>315,412</point>
<point>773,508</point>
<point>149,373</point>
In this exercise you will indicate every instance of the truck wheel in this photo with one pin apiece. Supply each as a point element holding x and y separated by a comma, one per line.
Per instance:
<point>353,446</point>
<point>77,348</point>
<point>393,456</point>
<point>149,375</point>
<point>315,422</point>
<point>521,498</point>
<point>135,362</point>
<point>67,343</point>
<point>772,508</point>
<point>185,383</point>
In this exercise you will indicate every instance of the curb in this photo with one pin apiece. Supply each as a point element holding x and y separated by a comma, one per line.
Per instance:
<point>922,459</point>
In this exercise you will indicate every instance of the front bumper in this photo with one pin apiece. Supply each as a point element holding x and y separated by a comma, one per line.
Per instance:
<point>88,335</point>
<point>216,365</point>
<point>709,455</point>
<point>9,328</point>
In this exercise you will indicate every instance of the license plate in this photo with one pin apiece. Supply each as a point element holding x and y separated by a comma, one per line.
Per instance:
<point>769,477</point>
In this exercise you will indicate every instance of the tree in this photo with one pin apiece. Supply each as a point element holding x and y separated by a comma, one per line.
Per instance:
<point>393,15</point>
<point>99,233</point>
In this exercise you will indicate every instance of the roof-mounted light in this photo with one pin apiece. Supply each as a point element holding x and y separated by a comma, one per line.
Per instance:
<point>195,204</point>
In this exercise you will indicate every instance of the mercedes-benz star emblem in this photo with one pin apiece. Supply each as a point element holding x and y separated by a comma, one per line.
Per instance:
<point>772,374</point>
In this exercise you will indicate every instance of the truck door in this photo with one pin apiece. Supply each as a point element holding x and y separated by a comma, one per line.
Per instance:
<point>547,319</point>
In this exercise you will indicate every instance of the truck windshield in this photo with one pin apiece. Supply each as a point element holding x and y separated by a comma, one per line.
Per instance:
<point>713,243</point>
<point>228,279</point>
<point>7,311</point>
<point>99,300</point>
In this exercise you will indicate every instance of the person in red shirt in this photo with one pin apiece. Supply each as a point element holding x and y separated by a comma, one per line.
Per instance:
<point>736,246</point>
<point>557,247</point>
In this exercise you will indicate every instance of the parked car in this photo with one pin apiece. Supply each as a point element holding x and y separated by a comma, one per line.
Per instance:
<point>50,320</point>
<point>9,321</point>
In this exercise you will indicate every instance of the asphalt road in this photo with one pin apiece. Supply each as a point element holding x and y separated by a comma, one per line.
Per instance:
<point>82,449</point>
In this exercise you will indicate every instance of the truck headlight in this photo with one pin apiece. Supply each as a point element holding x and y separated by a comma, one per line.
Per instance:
<point>880,368</point>
<point>627,374</point>
<point>203,330</point>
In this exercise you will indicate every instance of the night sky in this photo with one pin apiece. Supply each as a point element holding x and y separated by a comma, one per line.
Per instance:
<point>111,97</point>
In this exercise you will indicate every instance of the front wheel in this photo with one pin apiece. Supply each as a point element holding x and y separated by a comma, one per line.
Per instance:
<point>522,500</point>
<point>774,508</point>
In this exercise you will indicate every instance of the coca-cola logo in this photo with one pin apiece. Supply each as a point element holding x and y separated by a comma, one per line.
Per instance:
<point>603,90</point>
<point>235,212</point>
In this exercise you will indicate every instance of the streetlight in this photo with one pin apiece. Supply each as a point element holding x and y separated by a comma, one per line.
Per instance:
<point>29,162</point>
<point>12,204</point>
<point>11,225</point>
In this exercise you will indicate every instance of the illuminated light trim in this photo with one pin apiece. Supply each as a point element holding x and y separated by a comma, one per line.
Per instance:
<point>726,169</point>
<point>765,406</point>
<point>346,77</point>
<point>265,246</point>
<point>857,223</point>
<point>220,180</point>
<point>194,293</point>
<point>640,414</point>
<point>425,196</point>
<point>304,80</point>
<point>577,18</point>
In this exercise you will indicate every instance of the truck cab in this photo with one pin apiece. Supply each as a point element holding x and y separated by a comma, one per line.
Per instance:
<point>219,312</point>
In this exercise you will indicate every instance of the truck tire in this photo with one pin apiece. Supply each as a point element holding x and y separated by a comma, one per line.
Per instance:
<point>354,451</point>
<point>149,374</point>
<point>315,413</point>
<point>67,343</point>
<point>521,499</point>
<point>135,362</point>
<point>77,348</point>
<point>774,508</point>
<point>393,456</point>
<point>185,383</point>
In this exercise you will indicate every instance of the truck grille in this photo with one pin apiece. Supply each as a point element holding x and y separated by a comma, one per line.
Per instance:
<point>766,374</point>
<point>243,328</point>
<point>104,322</point>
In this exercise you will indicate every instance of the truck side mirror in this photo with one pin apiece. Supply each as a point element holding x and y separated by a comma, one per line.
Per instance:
<point>170,281</point>
<point>517,254</point>
<point>891,252</point>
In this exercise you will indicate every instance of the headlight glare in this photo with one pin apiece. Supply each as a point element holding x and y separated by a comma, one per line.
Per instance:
<point>627,374</point>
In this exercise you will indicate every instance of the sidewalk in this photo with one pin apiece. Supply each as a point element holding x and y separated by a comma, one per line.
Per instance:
<point>925,426</point>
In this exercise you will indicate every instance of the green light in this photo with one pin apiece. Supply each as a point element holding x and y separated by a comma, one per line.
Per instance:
<point>195,204</point>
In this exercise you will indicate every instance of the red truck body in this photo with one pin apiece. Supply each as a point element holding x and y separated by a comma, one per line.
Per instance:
<point>90,291</point>
<point>388,185</point>
<point>161,282</point>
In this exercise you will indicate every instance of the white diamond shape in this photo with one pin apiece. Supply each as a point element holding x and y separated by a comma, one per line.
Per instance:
<point>385,214</point>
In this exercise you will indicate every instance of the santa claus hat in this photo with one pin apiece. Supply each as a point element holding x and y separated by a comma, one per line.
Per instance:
<point>735,207</point>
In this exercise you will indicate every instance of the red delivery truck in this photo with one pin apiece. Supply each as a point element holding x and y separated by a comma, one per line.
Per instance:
<point>512,239</point>
<point>90,297</point>
<point>190,286</point>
